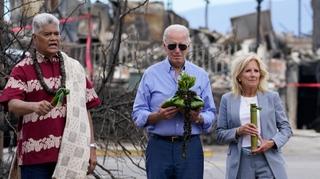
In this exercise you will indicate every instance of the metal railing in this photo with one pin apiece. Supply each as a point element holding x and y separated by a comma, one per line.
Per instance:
<point>214,59</point>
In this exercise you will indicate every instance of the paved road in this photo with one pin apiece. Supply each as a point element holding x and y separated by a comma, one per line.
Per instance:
<point>302,155</point>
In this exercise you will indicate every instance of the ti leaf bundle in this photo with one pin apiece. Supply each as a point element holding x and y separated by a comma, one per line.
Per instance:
<point>179,99</point>
<point>59,96</point>
<point>186,100</point>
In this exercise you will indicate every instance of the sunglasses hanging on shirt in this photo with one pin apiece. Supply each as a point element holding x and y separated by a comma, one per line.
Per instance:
<point>182,47</point>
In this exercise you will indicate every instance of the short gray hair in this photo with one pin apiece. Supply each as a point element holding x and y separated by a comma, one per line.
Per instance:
<point>43,19</point>
<point>176,27</point>
<point>238,66</point>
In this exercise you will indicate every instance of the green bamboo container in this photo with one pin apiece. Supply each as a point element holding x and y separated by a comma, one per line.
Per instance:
<point>253,120</point>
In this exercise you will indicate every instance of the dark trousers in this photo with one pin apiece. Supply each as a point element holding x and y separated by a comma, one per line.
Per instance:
<point>38,171</point>
<point>165,161</point>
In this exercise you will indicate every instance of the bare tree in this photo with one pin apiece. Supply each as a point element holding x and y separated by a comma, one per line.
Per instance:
<point>112,120</point>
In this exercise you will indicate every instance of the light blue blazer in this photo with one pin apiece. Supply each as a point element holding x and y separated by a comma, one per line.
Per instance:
<point>274,125</point>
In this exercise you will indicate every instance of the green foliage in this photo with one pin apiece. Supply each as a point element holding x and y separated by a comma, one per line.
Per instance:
<point>186,82</point>
<point>179,99</point>
<point>59,96</point>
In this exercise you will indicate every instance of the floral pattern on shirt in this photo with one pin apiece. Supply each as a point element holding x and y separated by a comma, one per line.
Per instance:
<point>57,112</point>
<point>26,61</point>
<point>16,84</point>
<point>32,145</point>
<point>91,94</point>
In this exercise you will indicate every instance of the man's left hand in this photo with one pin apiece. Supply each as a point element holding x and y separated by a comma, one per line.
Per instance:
<point>92,160</point>
<point>195,116</point>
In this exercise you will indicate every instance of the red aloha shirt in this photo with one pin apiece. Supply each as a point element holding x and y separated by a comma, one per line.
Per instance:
<point>40,136</point>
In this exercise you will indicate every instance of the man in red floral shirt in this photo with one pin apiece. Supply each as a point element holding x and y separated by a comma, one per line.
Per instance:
<point>53,141</point>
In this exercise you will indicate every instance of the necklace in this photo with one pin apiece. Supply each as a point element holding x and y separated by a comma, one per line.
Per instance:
<point>40,75</point>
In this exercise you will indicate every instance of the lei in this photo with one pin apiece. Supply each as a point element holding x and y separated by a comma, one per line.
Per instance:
<point>40,75</point>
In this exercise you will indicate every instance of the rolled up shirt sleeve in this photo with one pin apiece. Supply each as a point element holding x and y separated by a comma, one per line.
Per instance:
<point>141,106</point>
<point>15,88</point>
<point>92,99</point>
<point>209,110</point>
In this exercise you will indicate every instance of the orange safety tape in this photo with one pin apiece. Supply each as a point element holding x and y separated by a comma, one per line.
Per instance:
<point>62,21</point>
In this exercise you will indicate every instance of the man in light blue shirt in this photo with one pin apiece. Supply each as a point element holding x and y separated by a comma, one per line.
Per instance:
<point>165,126</point>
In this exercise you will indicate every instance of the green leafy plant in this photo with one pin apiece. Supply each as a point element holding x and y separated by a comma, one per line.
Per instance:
<point>186,100</point>
<point>179,99</point>
<point>59,96</point>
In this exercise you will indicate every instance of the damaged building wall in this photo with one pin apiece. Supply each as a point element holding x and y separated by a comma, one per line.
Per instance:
<point>145,23</point>
<point>292,91</point>
<point>244,27</point>
<point>23,10</point>
<point>101,23</point>
<point>148,23</point>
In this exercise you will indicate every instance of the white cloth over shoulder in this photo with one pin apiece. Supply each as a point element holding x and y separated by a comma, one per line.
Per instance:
<point>74,151</point>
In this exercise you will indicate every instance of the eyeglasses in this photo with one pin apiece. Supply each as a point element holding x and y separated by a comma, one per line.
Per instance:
<point>182,47</point>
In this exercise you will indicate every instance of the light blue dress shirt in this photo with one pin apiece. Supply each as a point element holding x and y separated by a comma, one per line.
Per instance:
<point>158,84</point>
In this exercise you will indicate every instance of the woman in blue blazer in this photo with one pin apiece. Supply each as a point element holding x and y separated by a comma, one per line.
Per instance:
<point>249,85</point>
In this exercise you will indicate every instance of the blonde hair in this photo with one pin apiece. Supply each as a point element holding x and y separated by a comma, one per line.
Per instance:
<point>238,66</point>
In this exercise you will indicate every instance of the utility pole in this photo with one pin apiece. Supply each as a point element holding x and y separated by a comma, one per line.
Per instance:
<point>206,14</point>
<point>258,25</point>
<point>169,4</point>
<point>299,18</point>
<point>2,25</point>
<point>1,22</point>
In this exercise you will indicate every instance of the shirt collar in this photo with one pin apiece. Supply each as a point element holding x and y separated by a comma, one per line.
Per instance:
<point>169,67</point>
<point>41,58</point>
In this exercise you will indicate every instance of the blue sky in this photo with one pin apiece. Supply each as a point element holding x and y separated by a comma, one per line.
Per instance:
<point>284,13</point>
<point>183,5</point>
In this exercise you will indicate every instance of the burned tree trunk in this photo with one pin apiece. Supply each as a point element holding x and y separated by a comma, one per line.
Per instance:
<point>1,49</point>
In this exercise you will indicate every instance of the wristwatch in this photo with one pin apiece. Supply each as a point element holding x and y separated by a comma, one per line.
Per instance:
<point>200,120</point>
<point>93,145</point>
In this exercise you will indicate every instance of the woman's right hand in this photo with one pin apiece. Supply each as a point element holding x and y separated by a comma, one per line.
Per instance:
<point>248,129</point>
